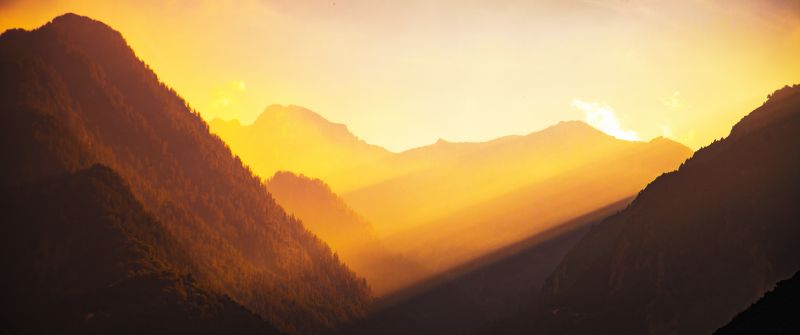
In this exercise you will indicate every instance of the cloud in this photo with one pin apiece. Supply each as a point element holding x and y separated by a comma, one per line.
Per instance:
<point>602,117</point>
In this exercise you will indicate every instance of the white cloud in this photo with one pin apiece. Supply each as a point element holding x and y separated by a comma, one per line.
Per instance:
<point>602,117</point>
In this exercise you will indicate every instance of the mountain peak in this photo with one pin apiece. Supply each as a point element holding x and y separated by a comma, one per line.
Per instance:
<point>81,24</point>
<point>71,18</point>
<point>277,112</point>
<point>88,99</point>
<point>300,118</point>
<point>573,125</point>
<point>731,206</point>
<point>667,141</point>
<point>74,27</point>
<point>95,40</point>
<point>570,127</point>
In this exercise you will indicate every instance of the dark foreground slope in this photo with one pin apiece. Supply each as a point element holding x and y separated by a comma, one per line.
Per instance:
<point>776,313</point>
<point>72,94</point>
<point>81,256</point>
<point>479,296</point>
<point>697,245</point>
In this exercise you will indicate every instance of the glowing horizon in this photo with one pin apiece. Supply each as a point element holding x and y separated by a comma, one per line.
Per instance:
<point>404,75</point>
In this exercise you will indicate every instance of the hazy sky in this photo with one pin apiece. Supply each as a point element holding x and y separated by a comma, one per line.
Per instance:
<point>405,73</point>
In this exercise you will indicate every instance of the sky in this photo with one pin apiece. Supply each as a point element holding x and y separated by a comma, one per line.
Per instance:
<point>403,74</point>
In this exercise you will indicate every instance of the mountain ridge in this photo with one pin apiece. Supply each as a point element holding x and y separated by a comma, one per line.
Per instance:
<point>774,313</point>
<point>270,143</point>
<point>697,245</point>
<point>432,179</point>
<point>74,94</point>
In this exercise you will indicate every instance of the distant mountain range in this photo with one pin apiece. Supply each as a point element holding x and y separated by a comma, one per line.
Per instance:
<point>75,95</point>
<point>444,204</point>
<point>696,246</point>
<point>275,141</point>
<point>485,196</point>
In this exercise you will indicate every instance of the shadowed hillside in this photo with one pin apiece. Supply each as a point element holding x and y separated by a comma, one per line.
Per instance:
<point>82,254</point>
<point>697,245</point>
<point>482,294</point>
<point>498,193</point>
<point>325,214</point>
<point>775,313</point>
<point>74,94</point>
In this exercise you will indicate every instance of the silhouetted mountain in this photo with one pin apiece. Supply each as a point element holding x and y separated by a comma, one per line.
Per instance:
<point>292,138</point>
<point>81,256</point>
<point>72,94</point>
<point>697,245</point>
<point>325,214</point>
<point>775,313</point>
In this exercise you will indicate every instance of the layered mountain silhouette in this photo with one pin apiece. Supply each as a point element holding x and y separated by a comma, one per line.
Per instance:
<point>697,246</point>
<point>75,95</point>
<point>275,141</point>
<point>125,214</point>
<point>775,313</point>
<point>447,203</point>
<point>349,234</point>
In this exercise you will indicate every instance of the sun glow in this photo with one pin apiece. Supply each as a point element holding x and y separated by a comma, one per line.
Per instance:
<point>602,117</point>
<point>403,74</point>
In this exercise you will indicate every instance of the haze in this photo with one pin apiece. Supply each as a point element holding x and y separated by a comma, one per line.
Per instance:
<point>438,167</point>
<point>402,74</point>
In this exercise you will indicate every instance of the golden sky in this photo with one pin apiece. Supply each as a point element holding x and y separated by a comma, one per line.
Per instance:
<point>402,74</point>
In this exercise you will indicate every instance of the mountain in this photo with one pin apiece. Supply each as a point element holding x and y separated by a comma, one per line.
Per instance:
<point>74,94</point>
<point>468,199</point>
<point>477,297</point>
<point>484,196</point>
<point>388,167</point>
<point>444,204</point>
<point>775,313</point>
<point>277,137</point>
<point>467,174</point>
<point>321,210</point>
<point>82,253</point>
<point>349,234</point>
<point>697,245</point>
